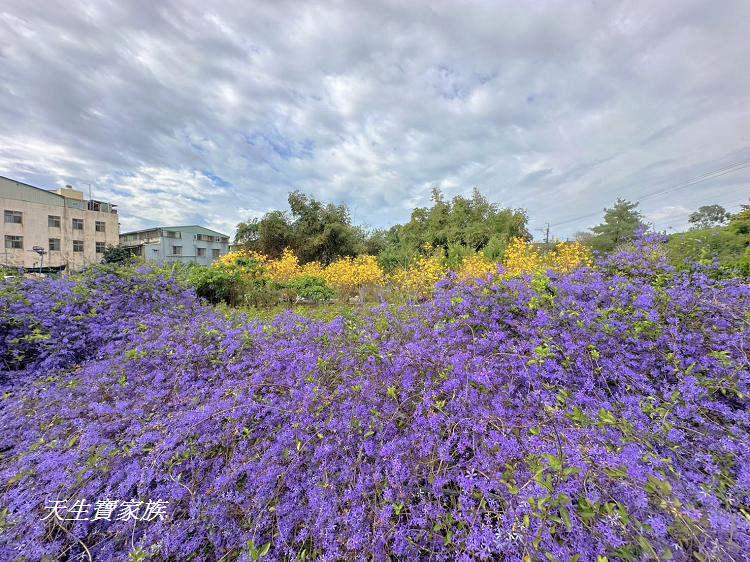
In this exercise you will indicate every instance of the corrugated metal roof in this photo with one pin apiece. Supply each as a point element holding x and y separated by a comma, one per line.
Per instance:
<point>12,189</point>
<point>175,228</point>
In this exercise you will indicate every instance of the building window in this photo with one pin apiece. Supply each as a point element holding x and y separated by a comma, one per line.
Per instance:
<point>101,226</point>
<point>77,224</point>
<point>14,217</point>
<point>100,247</point>
<point>201,252</point>
<point>54,245</point>
<point>176,250</point>
<point>13,242</point>
<point>53,221</point>
<point>77,245</point>
<point>215,253</point>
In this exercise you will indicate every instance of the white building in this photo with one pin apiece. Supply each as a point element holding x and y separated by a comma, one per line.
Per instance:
<point>57,229</point>
<point>170,244</point>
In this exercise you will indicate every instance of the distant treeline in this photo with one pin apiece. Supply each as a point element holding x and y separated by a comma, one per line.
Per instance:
<point>324,232</point>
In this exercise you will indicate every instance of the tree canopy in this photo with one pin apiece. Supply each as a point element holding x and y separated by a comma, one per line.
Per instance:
<point>314,230</point>
<point>709,216</point>
<point>457,226</point>
<point>621,222</point>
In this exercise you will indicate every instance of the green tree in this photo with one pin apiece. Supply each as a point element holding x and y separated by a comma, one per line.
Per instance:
<point>728,245</point>
<point>473,224</point>
<point>709,216</point>
<point>322,231</point>
<point>621,222</point>
<point>268,235</point>
<point>117,254</point>
<point>314,230</point>
<point>740,222</point>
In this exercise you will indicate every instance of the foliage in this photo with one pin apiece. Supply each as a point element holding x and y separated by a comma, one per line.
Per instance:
<point>472,223</point>
<point>117,254</point>
<point>595,415</point>
<point>728,246</point>
<point>621,223</point>
<point>217,284</point>
<point>348,276</point>
<point>312,288</point>
<point>314,231</point>
<point>419,279</point>
<point>709,216</point>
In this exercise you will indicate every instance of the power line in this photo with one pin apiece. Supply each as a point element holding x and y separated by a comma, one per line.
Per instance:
<point>728,204</point>
<point>721,171</point>
<point>710,175</point>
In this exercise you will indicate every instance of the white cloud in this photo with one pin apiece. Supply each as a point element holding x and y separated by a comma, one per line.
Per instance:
<point>213,112</point>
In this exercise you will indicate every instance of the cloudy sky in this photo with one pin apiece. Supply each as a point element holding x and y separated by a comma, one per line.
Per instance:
<point>211,112</point>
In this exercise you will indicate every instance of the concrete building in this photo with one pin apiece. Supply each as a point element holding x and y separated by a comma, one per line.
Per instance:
<point>171,244</point>
<point>58,229</point>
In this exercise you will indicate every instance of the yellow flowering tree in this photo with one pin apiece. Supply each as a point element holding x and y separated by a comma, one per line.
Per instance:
<point>312,269</point>
<point>237,257</point>
<point>351,275</point>
<point>284,269</point>
<point>476,266</point>
<point>420,277</point>
<point>568,256</point>
<point>522,257</point>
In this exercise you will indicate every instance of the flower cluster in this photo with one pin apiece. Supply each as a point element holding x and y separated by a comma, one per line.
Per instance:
<point>345,275</point>
<point>476,266</point>
<point>284,269</point>
<point>595,415</point>
<point>349,275</point>
<point>522,257</point>
<point>239,257</point>
<point>420,277</point>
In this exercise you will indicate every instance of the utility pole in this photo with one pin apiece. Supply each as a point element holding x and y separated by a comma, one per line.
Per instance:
<point>41,251</point>
<point>546,233</point>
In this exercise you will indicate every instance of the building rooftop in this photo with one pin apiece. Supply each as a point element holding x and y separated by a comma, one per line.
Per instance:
<point>153,228</point>
<point>58,196</point>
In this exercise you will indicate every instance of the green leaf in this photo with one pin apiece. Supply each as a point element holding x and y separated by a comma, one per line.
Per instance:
<point>565,514</point>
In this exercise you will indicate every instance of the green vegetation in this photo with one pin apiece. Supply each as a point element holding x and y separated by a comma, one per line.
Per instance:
<point>621,222</point>
<point>315,231</point>
<point>729,246</point>
<point>709,216</point>
<point>116,254</point>
<point>459,227</point>
<point>312,288</point>
<point>466,226</point>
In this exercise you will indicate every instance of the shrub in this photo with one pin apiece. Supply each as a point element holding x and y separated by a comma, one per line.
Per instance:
<point>351,275</point>
<point>217,284</point>
<point>595,415</point>
<point>419,279</point>
<point>312,288</point>
<point>117,254</point>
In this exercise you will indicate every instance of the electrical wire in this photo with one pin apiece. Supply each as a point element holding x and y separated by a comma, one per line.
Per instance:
<point>712,174</point>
